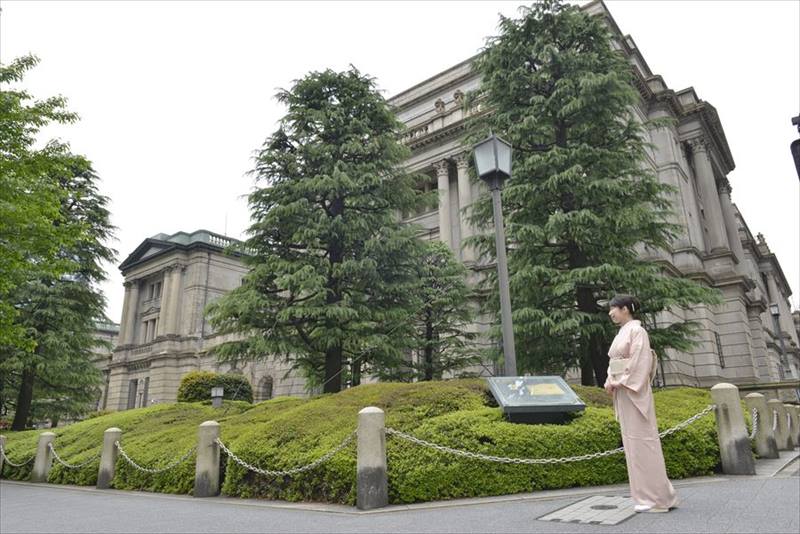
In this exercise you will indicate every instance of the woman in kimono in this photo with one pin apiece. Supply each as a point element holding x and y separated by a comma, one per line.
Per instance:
<point>628,381</point>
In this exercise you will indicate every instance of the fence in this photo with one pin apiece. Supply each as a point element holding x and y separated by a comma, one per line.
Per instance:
<point>775,426</point>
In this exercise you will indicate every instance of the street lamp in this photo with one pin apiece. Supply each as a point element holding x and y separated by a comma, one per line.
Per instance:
<point>776,312</point>
<point>493,163</point>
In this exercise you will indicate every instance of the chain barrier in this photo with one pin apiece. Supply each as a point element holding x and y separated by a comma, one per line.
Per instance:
<point>293,471</point>
<point>8,461</point>
<point>156,469</point>
<point>68,465</point>
<point>755,424</point>
<point>774,420</point>
<point>536,461</point>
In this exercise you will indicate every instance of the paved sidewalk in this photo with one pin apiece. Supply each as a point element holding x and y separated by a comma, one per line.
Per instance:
<point>761,503</point>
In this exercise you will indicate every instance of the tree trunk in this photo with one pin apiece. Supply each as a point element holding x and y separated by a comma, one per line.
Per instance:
<point>24,400</point>
<point>333,355</point>
<point>428,348</point>
<point>333,370</point>
<point>587,371</point>
<point>355,372</point>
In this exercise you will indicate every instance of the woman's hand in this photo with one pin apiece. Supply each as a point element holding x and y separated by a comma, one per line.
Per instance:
<point>610,388</point>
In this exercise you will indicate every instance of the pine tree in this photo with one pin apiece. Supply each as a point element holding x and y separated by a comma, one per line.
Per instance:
<point>581,200</point>
<point>331,265</point>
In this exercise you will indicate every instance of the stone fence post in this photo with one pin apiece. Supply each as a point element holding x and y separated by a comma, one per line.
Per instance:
<point>372,486</point>
<point>781,431</point>
<point>44,458</point>
<point>108,458</point>
<point>206,470</point>
<point>734,443</point>
<point>796,420</point>
<point>2,456</point>
<point>766,447</point>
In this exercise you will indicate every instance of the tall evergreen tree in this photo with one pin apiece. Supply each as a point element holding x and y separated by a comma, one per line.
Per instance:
<point>330,263</point>
<point>582,201</point>
<point>58,311</point>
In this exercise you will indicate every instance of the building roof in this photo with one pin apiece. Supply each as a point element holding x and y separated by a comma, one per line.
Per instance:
<point>162,243</point>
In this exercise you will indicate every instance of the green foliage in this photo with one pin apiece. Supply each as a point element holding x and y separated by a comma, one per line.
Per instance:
<point>288,432</point>
<point>330,264</point>
<point>582,202</point>
<point>55,226</point>
<point>196,386</point>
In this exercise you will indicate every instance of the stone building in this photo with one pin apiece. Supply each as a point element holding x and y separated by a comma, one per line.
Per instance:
<point>738,340</point>
<point>169,279</point>
<point>107,331</point>
<point>164,334</point>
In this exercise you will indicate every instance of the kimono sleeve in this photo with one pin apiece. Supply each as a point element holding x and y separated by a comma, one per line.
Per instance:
<point>637,374</point>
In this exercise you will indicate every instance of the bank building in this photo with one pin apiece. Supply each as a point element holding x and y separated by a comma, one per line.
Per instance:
<point>751,338</point>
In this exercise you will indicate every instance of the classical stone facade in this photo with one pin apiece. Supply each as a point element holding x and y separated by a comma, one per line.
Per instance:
<point>738,340</point>
<point>164,334</point>
<point>108,332</point>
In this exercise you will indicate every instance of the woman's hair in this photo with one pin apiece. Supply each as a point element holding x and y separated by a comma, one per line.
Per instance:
<point>625,301</point>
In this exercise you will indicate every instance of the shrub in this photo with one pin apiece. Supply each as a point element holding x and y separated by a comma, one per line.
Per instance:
<point>196,386</point>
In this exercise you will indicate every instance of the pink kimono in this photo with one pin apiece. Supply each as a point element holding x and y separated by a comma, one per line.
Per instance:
<point>635,411</point>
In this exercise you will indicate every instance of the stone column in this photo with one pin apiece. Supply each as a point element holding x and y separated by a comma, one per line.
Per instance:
<point>443,180</point>
<point>731,224</point>
<point>206,472</point>
<point>108,457</point>
<point>464,205</point>
<point>774,406</point>
<point>174,299</point>
<point>734,443</point>
<point>165,305</point>
<point>372,487</point>
<point>795,411</point>
<point>704,175</point>
<point>2,456</point>
<point>764,439</point>
<point>44,458</point>
<point>131,312</point>
<point>791,424</point>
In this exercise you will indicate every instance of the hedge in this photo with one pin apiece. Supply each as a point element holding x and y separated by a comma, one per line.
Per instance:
<point>196,386</point>
<point>288,432</point>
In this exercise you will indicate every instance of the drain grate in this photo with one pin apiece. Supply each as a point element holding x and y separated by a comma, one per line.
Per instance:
<point>597,510</point>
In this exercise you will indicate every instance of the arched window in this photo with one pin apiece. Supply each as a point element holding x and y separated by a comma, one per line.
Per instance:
<point>264,389</point>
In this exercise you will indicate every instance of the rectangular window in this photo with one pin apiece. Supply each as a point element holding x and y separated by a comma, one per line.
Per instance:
<point>719,350</point>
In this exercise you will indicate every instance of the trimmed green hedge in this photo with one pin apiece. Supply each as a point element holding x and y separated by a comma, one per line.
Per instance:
<point>288,432</point>
<point>196,387</point>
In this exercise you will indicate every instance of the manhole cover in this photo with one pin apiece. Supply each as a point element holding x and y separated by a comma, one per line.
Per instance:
<point>598,510</point>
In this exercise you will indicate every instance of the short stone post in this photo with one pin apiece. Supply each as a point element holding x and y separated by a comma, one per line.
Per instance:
<point>108,458</point>
<point>791,423</point>
<point>796,420</point>
<point>734,443</point>
<point>372,486</point>
<point>2,456</point>
<point>44,458</point>
<point>206,471</point>
<point>766,447</point>
<point>781,431</point>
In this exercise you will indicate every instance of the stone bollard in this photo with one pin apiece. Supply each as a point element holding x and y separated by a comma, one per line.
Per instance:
<point>108,458</point>
<point>791,424</point>
<point>734,443</point>
<point>796,420</point>
<point>206,470</point>
<point>782,438</point>
<point>766,447</point>
<point>44,458</point>
<point>2,456</point>
<point>372,486</point>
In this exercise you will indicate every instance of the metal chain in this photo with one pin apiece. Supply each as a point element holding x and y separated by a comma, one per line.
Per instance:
<point>71,466</point>
<point>755,424</point>
<point>774,420</point>
<point>536,461</point>
<point>157,469</point>
<point>293,471</point>
<point>12,464</point>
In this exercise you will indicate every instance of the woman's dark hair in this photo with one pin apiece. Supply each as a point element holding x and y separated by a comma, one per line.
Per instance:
<point>625,301</point>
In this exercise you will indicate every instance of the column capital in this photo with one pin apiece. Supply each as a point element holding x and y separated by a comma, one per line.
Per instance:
<point>442,167</point>
<point>698,144</point>
<point>724,187</point>
<point>462,160</point>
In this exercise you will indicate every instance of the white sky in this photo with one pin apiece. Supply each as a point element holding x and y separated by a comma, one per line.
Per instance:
<point>175,97</point>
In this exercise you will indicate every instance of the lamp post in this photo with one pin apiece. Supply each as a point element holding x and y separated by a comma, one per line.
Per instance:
<point>776,312</point>
<point>493,163</point>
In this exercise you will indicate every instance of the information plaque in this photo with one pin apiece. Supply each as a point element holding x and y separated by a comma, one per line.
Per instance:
<point>535,399</point>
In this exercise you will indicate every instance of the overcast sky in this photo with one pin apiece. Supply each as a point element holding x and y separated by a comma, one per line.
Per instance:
<point>175,97</point>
